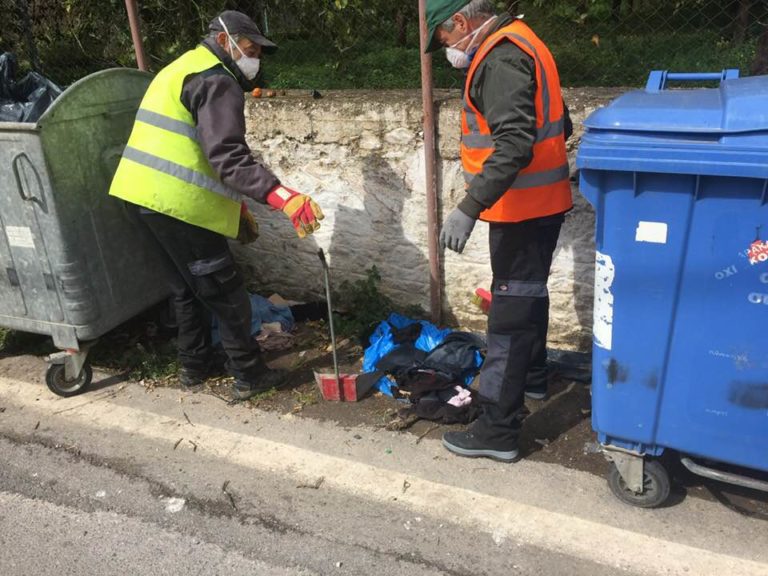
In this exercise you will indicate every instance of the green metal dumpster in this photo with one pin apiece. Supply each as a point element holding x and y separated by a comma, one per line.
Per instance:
<point>73,261</point>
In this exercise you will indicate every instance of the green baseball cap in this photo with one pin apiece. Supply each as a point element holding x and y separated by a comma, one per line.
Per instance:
<point>437,12</point>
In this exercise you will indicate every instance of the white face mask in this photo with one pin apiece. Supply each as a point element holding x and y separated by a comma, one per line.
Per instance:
<point>459,58</point>
<point>248,66</point>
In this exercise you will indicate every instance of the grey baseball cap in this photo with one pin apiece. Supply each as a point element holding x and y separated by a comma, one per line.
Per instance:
<point>240,24</point>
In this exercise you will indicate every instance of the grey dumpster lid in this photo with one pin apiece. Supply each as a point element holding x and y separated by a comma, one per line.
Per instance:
<point>95,94</point>
<point>738,105</point>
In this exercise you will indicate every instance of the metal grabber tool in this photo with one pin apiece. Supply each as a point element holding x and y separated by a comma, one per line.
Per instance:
<point>327,279</point>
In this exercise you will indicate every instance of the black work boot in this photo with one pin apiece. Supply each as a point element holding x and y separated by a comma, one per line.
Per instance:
<point>192,379</point>
<point>268,380</point>
<point>468,445</point>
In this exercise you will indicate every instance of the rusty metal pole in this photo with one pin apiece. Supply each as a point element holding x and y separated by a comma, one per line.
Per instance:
<point>435,278</point>
<point>138,45</point>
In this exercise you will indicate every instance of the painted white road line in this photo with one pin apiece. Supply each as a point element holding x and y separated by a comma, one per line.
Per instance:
<point>499,517</point>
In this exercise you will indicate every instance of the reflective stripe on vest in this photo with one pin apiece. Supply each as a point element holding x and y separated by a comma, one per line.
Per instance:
<point>178,171</point>
<point>166,123</point>
<point>163,167</point>
<point>477,140</point>
<point>533,180</point>
<point>542,188</point>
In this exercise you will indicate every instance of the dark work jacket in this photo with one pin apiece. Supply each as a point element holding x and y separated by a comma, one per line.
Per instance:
<point>216,101</point>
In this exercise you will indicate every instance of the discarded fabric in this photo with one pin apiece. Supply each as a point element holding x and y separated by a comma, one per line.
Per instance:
<point>441,407</point>
<point>273,338</point>
<point>463,397</point>
<point>262,312</point>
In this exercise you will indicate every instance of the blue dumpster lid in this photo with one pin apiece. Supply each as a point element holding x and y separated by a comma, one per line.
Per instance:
<point>707,131</point>
<point>738,105</point>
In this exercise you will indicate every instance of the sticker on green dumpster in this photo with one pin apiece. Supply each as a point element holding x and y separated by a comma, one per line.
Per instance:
<point>19,236</point>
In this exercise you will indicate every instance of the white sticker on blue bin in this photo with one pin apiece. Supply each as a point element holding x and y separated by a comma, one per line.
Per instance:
<point>654,232</point>
<point>19,236</point>
<point>603,312</point>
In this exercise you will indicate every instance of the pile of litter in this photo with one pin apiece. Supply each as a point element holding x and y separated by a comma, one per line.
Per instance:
<point>429,368</point>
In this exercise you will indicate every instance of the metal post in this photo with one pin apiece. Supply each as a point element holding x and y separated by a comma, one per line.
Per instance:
<point>138,45</point>
<point>435,284</point>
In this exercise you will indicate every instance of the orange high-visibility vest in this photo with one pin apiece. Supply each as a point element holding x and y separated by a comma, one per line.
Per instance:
<point>541,188</point>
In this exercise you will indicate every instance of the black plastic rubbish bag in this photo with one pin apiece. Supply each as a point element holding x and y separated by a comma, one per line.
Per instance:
<point>27,99</point>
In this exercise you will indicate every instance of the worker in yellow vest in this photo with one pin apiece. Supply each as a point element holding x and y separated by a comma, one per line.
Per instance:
<point>513,131</point>
<point>187,168</point>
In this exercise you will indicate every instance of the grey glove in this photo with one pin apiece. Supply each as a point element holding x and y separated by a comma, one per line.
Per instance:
<point>456,230</point>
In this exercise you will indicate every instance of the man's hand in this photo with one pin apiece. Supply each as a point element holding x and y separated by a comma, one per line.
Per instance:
<point>305,214</point>
<point>456,231</point>
<point>249,228</point>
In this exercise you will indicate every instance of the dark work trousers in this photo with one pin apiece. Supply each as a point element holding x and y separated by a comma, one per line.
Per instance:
<point>521,256</point>
<point>206,283</point>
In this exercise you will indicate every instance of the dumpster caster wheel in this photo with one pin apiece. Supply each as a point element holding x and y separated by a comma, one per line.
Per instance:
<point>57,381</point>
<point>656,486</point>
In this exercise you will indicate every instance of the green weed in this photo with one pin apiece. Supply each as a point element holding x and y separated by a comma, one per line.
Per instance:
<point>365,307</point>
<point>13,342</point>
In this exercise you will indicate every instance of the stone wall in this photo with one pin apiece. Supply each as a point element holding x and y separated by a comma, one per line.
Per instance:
<point>361,156</point>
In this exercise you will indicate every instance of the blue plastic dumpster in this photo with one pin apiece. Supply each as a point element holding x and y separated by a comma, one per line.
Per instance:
<point>679,183</point>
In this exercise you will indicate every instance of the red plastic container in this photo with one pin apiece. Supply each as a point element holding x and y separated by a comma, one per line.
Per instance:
<point>343,390</point>
<point>482,298</point>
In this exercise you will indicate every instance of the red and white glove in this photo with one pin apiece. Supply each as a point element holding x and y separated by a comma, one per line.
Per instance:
<point>305,214</point>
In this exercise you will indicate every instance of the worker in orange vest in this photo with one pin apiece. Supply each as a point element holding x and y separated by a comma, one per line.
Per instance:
<point>513,131</point>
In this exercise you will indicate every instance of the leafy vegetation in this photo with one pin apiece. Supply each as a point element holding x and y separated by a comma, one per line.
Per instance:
<point>365,307</point>
<point>14,342</point>
<point>135,348</point>
<point>374,43</point>
<point>142,358</point>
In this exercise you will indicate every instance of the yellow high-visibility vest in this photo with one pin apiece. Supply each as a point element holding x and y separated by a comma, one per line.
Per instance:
<point>163,167</point>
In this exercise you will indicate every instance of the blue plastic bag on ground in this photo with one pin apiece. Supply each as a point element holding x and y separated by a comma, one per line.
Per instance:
<point>262,312</point>
<point>382,343</point>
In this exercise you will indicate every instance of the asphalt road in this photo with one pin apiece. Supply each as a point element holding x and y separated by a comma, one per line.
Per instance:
<point>126,481</point>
